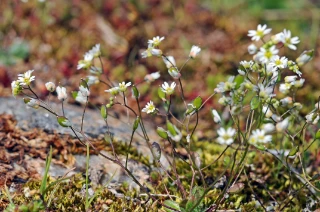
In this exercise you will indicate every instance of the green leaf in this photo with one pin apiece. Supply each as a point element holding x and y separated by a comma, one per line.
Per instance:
<point>171,204</point>
<point>318,134</point>
<point>255,102</point>
<point>161,94</point>
<point>135,92</point>
<point>162,133</point>
<point>171,128</point>
<point>197,102</point>
<point>238,80</point>
<point>63,121</point>
<point>45,176</point>
<point>293,151</point>
<point>74,94</point>
<point>103,111</point>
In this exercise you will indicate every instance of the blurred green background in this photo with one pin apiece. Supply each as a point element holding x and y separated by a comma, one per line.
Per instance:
<point>51,36</point>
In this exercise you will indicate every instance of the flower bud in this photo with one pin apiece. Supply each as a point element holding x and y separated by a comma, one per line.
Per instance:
<point>155,147</point>
<point>50,86</point>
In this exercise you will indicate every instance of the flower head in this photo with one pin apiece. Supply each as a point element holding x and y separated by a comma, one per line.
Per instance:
<point>216,116</point>
<point>34,103</point>
<point>225,86</point>
<point>84,91</point>
<point>285,38</point>
<point>26,78</point>
<point>149,108</point>
<point>312,118</point>
<point>169,61</point>
<point>259,33</point>
<point>194,51</point>
<point>95,51</point>
<point>252,49</point>
<point>155,41</point>
<point>226,136</point>
<point>282,125</point>
<point>86,62</point>
<point>152,77</point>
<point>114,91</point>
<point>259,136</point>
<point>278,62</point>
<point>173,71</point>
<point>50,86</point>
<point>91,80</point>
<point>16,88</point>
<point>62,93</point>
<point>168,89</point>
<point>266,54</point>
<point>123,86</point>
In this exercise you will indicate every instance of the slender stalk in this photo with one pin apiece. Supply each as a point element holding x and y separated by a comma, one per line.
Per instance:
<point>129,147</point>
<point>84,111</point>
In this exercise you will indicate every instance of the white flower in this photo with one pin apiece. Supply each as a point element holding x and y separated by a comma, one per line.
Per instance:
<point>290,79</point>
<point>95,51</point>
<point>259,33</point>
<point>226,86</point>
<point>149,108</point>
<point>285,88</point>
<point>114,91</point>
<point>16,88</point>
<point>50,86</point>
<point>62,93</point>
<point>298,83</point>
<point>152,77</point>
<point>246,64</point>
<point>80,97</point>
<point>33,103</point>
<point>278,62</point>
<point>285,38</point>
<point>86,62</point>
<point>91,80</point>
<point>123,86</point>
<point>156,52</point>
<point>305,57</point>
<point>265,55</point>
<point>268,128</point>
<point>147,53</point>
<point>216,117</point>
<point>226,136</point>
<point>168,89</point>
<point>259,136</point>
<point>286,101</point>
<point>84,91</point>
<point>252,49</point>
<point>241,72</point>
<point>169,61</point>
<point>26,78</point>
<point>264,92</point>
<point>173,71</point>
<point>266,110</point>
<point>312,118</point>
<point>194,51</point>
<point>155,41</point>
<point>282,125</point>
<point>225,101</point>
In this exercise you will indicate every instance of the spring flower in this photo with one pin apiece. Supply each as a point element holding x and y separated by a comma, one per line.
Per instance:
<point>62,93</point>
<point>305,57</point>
<point>86,62</point>
<point>95,51</point>
<point>266,110</point>
<point>264,92</point>
<point>16,88</point>
<point>265,55</point>
<point>33,103</point>
<point>216,117</point>
<point>298,83</point>
<point>278,62</point>
<point>286,101</point>
<point>149,108</point>
<point>26,78</point>
<point>285,88</point>
<point>169,61</point>
<point>156,52</point>
<point>50,86</point>
<point>84,91</point>
<point>312,118</point>
<point>285,38</point>
<point>155,41</point>
<point>246,64</point>
<point>268,128</point>
<point>242,73</point>
<point>259,136</point>
<point>91,80</point>
<point>147,53</point>
<point>114,91</point>
<point>173,71</point>
<point>123,86</point>
<point>226,136</point>
<point>81,97</point>
<point>252,49</point>
<point>290,79</point>
<point>282,125</point>
<point>226,86</point>
<point>259,33</point>
<point>152,77</point>
<point>225,101</point>
<point>194,51</point>
<point>168,89</point>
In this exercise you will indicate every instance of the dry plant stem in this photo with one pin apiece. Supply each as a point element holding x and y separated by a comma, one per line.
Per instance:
<point>192,180</point>
<point>33,92</point>
<point>62,108</point>
<point>182,190</point>
<point>182,93</point>
<point>110,86</point>
<point>141,122</point>
<point>197,122</point>
<point>103,70</point>
<point>185,63</point>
